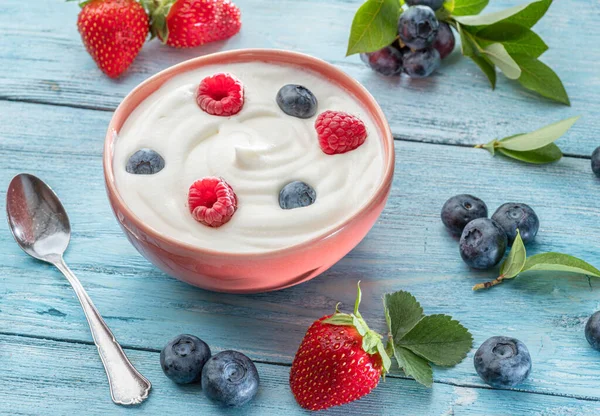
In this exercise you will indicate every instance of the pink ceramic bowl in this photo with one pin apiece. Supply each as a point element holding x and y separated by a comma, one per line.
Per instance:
<point>249,273</point>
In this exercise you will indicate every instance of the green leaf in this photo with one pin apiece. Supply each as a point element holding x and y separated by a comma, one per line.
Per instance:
<point>439,339</point>
<point>515,261</point>
<point>498,55</point>
<point>414,366</point>
<point>402,313</point>
<point>375,26</point>
<point>340,319</point>
<point>539,138</point>
<point>468,7</point>
<point>560,263</point>
<point>487,68</point>
<point>547,154</point>
<point>525,15</point>
<point>468,44</point>
<point>538,77</point>
<point>449,5</point>
<point>521,40</point>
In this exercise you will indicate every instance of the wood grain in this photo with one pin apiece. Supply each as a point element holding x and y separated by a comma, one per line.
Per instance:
<point>64,378</point>
<point>42,60</point>
<point>407,249</point>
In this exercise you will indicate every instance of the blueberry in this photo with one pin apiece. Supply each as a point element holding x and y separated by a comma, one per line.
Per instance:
<point>230,378</point>
<point>592,331</point>
<point>502,362</point>
<point>444,41</point>
<point>386,61</point>
<point>297,101</point>
<point>183,358</point>
<point>460,210</point>
<point>434,4</point>
<point>145,162</point>
<point>422,63</point>
<point>482,244</point>
<point>296,195</point>
<point>512,216</point>
<point>596,162</point>
<point>418,27</point>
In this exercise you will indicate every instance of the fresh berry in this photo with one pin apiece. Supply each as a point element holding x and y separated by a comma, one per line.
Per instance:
<point>183,358</point>
<point>512,216</point>
<point>191,23</point>
<point>145,162</point>
<point>418,27</point>
<point>339,132</point>
<point>421,63</point>
<point>386,61</point>
<point>502,362</point>
<point>230,378</point>
<point>212,201</point>
<point>297,195</point>
<point>596,162</point>
<point>332,366</point>
<point>434,4</point>
<point>444,41</point>
<point>297,101</point>
<point>482,244</point>
<point>592,331</point>
<point>221,94</point>
<point>460,210</point>
<point>113,32</point>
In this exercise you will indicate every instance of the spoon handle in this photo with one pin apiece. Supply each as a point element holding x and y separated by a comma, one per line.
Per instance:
<point>127,385</point>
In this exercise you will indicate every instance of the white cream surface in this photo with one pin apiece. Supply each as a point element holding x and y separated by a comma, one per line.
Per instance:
<point>257,151</point>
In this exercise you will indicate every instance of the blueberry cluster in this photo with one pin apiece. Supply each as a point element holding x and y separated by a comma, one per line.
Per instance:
<point>229,377</point>
<point>483,241</point>
<point>423,42</point>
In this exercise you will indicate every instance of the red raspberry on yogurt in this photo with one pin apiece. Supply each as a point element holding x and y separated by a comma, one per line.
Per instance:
<point>339,132</point>
<point>212,201</point>
<point>220,95</point>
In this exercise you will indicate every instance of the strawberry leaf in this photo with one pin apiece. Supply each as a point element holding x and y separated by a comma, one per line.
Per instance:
<point>439,339</point>
<point>401,304</point>
<point>414,366</point>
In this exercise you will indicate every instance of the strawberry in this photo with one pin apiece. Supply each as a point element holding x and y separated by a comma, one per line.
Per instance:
<point>113,32</point>
<point>190,23</point>
<point>339,360</point>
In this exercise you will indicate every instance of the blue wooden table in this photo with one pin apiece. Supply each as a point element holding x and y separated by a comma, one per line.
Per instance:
<point>54,109</point>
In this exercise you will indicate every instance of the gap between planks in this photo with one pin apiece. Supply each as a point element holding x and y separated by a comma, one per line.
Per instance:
<point>280,364</point>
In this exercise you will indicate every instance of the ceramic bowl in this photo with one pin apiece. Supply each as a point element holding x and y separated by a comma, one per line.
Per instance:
<point>241,272</point>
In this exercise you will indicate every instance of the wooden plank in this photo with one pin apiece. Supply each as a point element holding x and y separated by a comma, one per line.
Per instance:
<point>407,249</point>
<point>63,378</point>
<point>43,60</point>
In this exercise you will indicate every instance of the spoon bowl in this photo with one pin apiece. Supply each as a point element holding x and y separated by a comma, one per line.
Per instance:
<point>37,219</point>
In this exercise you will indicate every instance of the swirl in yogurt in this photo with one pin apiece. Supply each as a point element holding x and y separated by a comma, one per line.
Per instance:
<point>257,151</point>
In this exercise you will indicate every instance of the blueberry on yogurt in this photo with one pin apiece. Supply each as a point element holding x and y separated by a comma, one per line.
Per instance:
<point>296,194</point>
<point>145,162</point>
<point>297,101</point>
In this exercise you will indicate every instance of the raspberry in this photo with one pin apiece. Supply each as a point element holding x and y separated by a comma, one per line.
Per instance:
<point>220,95</point>
<point>339,132</point>
<point>212,201</point>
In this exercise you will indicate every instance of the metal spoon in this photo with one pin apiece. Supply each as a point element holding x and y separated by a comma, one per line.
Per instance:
<point>41,227</point>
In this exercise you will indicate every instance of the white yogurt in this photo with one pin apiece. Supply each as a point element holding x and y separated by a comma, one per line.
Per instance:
<point>257,151</point>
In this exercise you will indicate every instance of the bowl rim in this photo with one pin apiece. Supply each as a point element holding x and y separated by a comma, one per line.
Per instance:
<point>248,55</point>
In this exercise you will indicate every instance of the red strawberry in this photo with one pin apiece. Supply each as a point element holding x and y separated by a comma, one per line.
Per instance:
<point>339,360</point>
<point>113,32</point>
<point>212,201</point>
<point>220,95</point>
<point>339,132</point>
<point>190,23</point>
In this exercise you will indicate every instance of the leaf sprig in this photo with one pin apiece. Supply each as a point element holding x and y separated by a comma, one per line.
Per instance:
<point>517,263</point>
<point>503,39</point>
<point>537,147</point>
